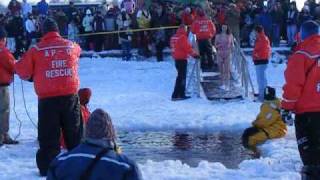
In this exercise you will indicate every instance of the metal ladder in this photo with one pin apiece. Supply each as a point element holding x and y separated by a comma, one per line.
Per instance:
<point>239,70</point>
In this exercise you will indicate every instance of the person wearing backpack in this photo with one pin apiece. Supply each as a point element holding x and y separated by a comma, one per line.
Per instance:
<point>98,157</point>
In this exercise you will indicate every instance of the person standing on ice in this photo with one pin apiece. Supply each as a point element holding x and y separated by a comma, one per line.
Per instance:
<point>261,55</point>
<point>98,157</point>
<point>224,44</point>
<point>53,66</point>
<point>301,95</point>
<point>181,49</point>
<point>6,78</point>
<point>204,29</point>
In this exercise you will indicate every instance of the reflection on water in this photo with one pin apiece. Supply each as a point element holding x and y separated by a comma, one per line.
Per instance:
<point>190,148</point>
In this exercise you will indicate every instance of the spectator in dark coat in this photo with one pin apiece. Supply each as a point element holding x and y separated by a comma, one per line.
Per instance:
<point>277,16</point>
<point>72,11</point>
<point>14,7</point>
<point>62,21</point>
<point>304,16</point>
<point>265,21</point>
<point>98,157</point>
<point>159,19</point>
<point>110,25</point>
<point>98,26</point>
<point>292,22</point>
<point>17,27</point>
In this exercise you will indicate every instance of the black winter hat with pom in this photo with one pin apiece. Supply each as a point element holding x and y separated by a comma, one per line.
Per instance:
<point>269,93</point>
<point>49,25</point>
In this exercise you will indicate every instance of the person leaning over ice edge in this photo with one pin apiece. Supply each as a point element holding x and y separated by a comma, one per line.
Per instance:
<point>6,77</point>
<point>301,95</point>
<point>98,157</point>
<point>53,66</point>
<point>268,124</point>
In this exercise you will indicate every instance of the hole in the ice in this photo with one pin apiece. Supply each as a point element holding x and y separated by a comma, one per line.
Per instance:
<point>188,147</point>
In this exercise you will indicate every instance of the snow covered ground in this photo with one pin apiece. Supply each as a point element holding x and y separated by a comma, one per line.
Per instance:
<point>137,96</point>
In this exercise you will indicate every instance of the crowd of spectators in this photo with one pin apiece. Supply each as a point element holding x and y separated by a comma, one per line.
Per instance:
<point>280,19</point>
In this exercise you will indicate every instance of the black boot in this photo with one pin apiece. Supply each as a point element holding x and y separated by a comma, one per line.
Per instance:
<point>310,172</point>
<point>8,140</point>
<point>1,140</point>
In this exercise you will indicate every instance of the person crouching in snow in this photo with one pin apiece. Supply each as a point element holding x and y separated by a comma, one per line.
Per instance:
<point>181,49</point>
<point>268,124</point>
<point>97,157</point>
<point>84,96</point>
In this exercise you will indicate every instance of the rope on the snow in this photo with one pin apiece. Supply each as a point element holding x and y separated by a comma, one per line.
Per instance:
<point>25,106</point>
<point>15,112</point>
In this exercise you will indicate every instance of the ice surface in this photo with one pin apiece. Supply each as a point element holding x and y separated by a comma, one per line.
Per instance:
<point>137,96</point>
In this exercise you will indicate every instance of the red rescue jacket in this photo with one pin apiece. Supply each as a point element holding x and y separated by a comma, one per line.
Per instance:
<point>203,28</point>
<point>53,65</point>
<point>187,18</point>
<point>262,48</point>
<point>6,66</point>
<point>302,88</point>
<point>181,48</point>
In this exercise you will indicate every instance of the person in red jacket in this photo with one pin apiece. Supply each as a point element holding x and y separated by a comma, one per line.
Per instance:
<point>6,77</point>
<point>84,96</point>
<point>53,66</point>
<point>261,55</point>
<point>181,49</point>
<point>205,30</point>
<point>187,17</point>
<point>301,95</point>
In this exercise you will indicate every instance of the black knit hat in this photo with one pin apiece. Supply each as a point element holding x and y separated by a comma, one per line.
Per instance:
<point>269,93</point>
<point>49,25</point>
<point>3,33</point>
<point>100,126</point>
<point>309,28</point>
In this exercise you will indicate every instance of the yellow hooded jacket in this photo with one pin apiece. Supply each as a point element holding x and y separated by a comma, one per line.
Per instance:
<point>270,121</point>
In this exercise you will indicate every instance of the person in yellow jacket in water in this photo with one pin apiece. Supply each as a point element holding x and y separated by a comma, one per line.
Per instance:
<point>268,124</point>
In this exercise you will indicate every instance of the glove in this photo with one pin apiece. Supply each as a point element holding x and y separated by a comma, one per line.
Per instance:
<point>287,117</point>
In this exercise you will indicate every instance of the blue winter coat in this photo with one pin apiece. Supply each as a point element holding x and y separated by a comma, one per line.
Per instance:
<point>43,7</point>
<point>112,166</point>
<point>265,21</point>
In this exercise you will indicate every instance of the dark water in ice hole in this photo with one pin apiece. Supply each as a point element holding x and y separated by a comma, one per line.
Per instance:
<point>188,147</point>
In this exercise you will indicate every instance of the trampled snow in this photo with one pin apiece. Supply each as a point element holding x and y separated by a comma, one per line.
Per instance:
<point>137,96</point>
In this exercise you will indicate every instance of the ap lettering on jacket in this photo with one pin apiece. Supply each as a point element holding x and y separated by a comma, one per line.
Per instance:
<point>318,87</point>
